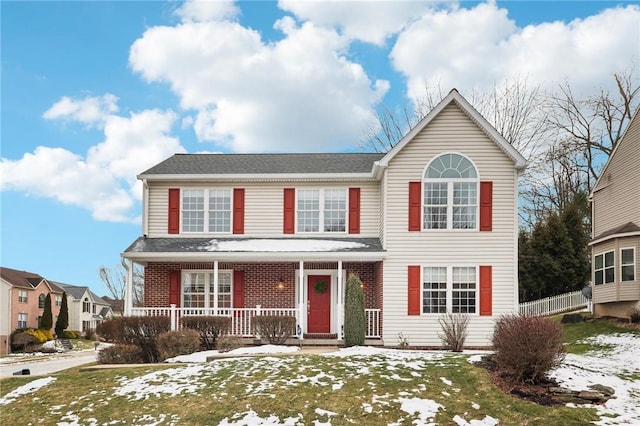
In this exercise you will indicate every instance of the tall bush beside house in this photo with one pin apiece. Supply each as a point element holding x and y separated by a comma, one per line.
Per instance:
<point>527,347</point>
<point>354,317</point>
<point>209,327</point>
<point>63,317</point>
<point>143,332</point>
<point>47,316</point>
<point>178,342</point>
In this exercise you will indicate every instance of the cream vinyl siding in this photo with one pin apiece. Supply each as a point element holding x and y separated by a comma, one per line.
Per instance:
<point>618,290</point>
<point>451,131</point>
<point>263,212</point>
<point>616,198</point>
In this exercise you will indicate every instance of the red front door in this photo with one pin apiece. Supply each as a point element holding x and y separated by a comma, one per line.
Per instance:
<point>319,304</point>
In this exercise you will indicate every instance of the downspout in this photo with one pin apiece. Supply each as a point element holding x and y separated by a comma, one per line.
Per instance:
<point>128,289</point>
<point>145,207</point>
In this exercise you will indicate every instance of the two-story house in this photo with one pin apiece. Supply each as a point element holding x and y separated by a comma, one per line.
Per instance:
<point>86,309</point>
<point>22,300</point>
<point>429,227</point>
<point>615,210</point>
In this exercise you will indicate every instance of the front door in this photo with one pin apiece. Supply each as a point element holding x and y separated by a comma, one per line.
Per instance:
<point>319,304</point>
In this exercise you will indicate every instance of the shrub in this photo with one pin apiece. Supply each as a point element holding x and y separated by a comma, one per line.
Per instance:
<point>143,332</point>
<point>22,341</point>
<point>277,329</point>
<point>527,347</point>
<point>454,331</point>
<point>634,315</point>
<point>210,328</point>
<point>178,342</point>
<point>120,354</point>
<point>41,336</point>
<point>111,330</point>
<point>69,334</point>
<point>229,342</point>
<point>90,334</point>
<point>355,321</point>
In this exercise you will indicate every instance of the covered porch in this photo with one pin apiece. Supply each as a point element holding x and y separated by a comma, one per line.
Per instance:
<point>309,286</point>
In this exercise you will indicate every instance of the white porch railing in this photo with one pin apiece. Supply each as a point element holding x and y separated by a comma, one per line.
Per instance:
<point>242,318</point>
<point>555,304</point>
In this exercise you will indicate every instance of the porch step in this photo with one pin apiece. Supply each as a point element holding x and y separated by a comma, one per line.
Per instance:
<point>324,336</point>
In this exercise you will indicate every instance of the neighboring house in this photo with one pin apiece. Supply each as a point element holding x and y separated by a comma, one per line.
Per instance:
<point>22,300</point>
<point>117,305</point>
<point>86,310</point>
<point>615,209</point>
<point>430,228</point>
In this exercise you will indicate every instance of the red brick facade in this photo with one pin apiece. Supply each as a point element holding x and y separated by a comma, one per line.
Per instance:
<point>261,280</point>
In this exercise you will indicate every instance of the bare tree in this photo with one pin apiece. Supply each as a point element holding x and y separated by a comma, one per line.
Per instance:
<point>115,279</point>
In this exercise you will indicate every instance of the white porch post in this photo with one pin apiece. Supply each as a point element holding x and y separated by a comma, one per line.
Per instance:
<point>339,302</point>
<point>128,289</point>
<point>302,306</point>
<point>215,287</point>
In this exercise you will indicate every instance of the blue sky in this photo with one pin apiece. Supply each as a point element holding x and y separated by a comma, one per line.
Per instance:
<point>95,92</point>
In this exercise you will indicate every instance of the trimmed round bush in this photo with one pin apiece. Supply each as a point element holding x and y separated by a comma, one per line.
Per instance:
<point>120,354</point>
<point>527,347</point>
<point>179,342</point>
<point>209,327</point>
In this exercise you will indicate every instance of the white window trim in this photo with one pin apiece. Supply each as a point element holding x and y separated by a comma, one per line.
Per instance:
<point>206,211</point>
<point>449,289</point>
<point>604,267</point>
<point>322,210</point>
<point>207,284</point>
<point>632,264</point>
<point>449,205</point>
<point>23,296</point>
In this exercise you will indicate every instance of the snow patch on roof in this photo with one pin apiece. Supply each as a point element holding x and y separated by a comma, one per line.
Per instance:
<point>281,245</point>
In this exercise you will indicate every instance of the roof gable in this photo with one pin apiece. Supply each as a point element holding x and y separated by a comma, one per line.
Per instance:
<point>22,279</point>
<point>455,97</point>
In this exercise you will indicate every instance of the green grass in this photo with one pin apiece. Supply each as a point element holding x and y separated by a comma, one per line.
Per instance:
<point>285,387</point>
<point>575,333</point>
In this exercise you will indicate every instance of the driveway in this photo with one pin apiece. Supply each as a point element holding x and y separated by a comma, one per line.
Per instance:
<point>50,364</point>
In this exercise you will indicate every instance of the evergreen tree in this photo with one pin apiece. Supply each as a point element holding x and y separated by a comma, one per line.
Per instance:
<point>63,318</point>
<point>47,316</point>
<point>354,317</point>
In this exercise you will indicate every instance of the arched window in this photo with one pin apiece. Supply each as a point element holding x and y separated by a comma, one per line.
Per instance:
<point>450,199</point>
<point>86,305</point>
<point>41,299</point>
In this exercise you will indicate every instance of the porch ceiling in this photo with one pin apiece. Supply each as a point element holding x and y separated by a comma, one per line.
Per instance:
<point>255,249</point>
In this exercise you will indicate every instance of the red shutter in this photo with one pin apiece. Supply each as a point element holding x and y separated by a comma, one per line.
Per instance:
<point>485,290</point>
<point>238,211</point>
<point>415,202</point>
<point>238,289</point>
<point>486,206</point>
<point>414,290</point>
<point>354,210</point>
<point>174,288</point>
<point>289,211</point>
<point>174,211</point>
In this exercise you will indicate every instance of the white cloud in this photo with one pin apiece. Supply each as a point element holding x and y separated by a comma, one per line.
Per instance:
<point>92,110</point>
<point>104,180</point>
<point>207,10</point>
<point>254,96</point>
<point>477,47</point>
<point>369,21</point>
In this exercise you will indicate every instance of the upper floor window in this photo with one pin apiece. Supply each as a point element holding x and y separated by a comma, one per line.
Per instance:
<point>321,210</point>
<point>604,268</point>
<point>22,296</point>
<point>41,300</point>
<point>22,320</point>
<point>199,289</point>
<point>627,264</point>
<point>449,289</point>
<point>58,300</point>
<point>206,210</point>
<point>86,305</point>
<point>450,198</point>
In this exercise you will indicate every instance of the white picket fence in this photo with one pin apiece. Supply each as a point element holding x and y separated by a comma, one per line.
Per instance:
<point>566,302</point>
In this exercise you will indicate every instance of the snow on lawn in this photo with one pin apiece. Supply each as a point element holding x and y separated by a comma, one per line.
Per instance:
<point>26,389</point>
<point>607,367</point>
<point>250,350</point>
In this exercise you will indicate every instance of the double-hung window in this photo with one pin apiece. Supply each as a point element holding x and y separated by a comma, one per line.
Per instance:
<point>627,264</point>
<point>450,198</point>
<point>604,268</point>
<point>22,296</point>
<point>22,320</point>
<point>86,305</point>
<point>206,210</point>
<point>58,300</point>
<point>41,300</point>
<point>322,210</point>
<point>199,289</point>
<point>449,289</point>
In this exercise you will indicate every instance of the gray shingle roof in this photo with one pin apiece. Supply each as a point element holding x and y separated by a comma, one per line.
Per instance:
<point>622,229</point>
<point>203,245</point>
<point>203,164</point>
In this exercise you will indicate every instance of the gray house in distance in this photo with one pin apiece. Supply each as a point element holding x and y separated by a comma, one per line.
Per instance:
<point>615,211</point>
